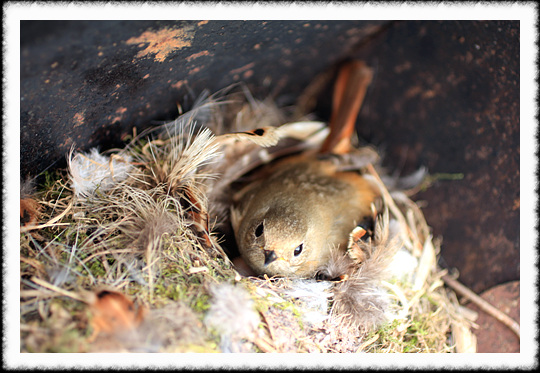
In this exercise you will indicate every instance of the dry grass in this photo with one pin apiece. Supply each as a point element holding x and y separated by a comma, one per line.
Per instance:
<point>151,237</point>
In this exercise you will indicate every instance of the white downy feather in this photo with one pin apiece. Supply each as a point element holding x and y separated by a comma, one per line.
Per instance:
<point>92,171</point>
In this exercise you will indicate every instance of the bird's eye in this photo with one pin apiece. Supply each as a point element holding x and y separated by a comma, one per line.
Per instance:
<point>298,249</point>
<point>259,230</point>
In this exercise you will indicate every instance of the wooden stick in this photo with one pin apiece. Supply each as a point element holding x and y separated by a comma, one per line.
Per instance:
<point>482,304</point>
<point>58,290</point>
<point>50,223</point>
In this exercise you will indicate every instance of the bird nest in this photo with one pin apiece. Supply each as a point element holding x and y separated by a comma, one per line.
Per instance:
<point>130,251</point>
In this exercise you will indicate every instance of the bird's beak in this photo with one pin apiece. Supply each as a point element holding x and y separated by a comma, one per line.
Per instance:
<point>269,256</point>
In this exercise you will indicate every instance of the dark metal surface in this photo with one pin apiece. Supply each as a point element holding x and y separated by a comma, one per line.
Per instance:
<point>446,96</point>
<point>90,82</point>
<point>492,335</point>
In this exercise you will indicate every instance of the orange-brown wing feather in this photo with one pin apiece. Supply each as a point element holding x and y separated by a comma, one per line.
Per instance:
<point>349,92</point>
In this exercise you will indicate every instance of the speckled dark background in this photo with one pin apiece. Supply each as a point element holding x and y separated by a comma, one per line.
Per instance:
<point>83,82</point>
<point>445,95</point>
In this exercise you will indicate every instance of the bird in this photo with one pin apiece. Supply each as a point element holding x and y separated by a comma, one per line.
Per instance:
<point>301,208</point>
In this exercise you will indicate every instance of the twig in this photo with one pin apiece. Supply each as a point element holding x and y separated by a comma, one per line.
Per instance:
<point>29,228</point>
<point>389,202</point>
<point>482,304</point>
<point>268,327</point>
<point>86,260</point>
<point>406,305</point>
<point>36,293</point>
<point>51,222</point>
<point>58,290</point>
<point>368,343</point>
<point>262,344</point>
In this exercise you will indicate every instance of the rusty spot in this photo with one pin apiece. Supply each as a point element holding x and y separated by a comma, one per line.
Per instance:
<point>67,142</point>
<point>194,70</point>
<point>201,23</point>
<point>429,94</point>
<point>120,113</point>
<point>54,65</point>
<point>413,91</point>
<point>398,69</point>
<point>178,84</point>
<point>79,119</point>
<point>248,74</point>
<point>484,152</point>
<point>163,42</point>
<point>146,76</point>
<point>197,55</point>
<point>243,68</point>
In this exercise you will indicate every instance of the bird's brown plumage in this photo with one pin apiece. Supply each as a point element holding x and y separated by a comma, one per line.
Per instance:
<point>303,202</point>
<point>301,208</point>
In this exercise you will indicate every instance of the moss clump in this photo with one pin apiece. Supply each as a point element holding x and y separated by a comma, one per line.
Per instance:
<point>146,237</point>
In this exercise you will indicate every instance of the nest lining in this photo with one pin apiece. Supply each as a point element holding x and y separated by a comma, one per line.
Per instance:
<point>147,227</point>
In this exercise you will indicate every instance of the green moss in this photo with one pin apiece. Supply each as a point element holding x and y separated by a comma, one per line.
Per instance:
<point>210,347</point>
<point>261,305</point>
<point>52,183</point>
<point>417,328</point>
<point>200,303</point>
<point>171,279</point>
<point>97,269</point>
<point>68,342</point>
<point>386,335</point>
<point>170,291</point>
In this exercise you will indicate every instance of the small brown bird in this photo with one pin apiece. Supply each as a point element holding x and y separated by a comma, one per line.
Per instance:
<point>290,219</point>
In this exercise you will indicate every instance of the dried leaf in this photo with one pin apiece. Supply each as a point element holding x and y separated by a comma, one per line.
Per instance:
<point>113,312</point>
<point>29,212</point>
